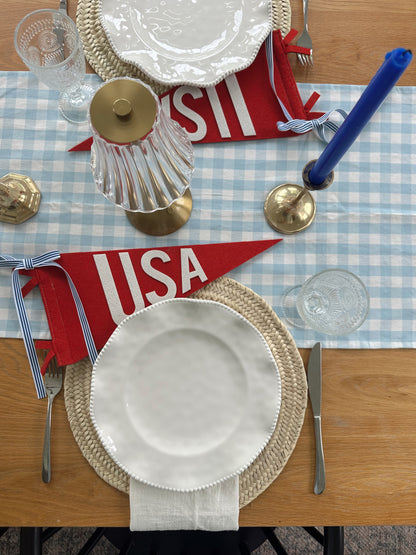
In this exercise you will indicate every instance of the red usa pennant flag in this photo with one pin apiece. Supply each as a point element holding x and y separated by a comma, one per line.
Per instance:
<point>114,284</point>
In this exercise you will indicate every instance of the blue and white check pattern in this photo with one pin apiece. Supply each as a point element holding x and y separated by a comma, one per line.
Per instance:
<point>365,222</point>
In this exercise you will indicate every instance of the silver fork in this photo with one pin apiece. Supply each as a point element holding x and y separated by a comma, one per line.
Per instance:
<point>58,55</point>
<point>305,39</point>
<point>53,385</point>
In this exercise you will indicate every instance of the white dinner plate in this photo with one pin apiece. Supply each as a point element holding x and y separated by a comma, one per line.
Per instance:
<point>193,42</point>
<point>185,394</point>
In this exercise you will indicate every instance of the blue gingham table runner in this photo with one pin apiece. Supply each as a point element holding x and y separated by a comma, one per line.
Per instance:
<point>365,222</point>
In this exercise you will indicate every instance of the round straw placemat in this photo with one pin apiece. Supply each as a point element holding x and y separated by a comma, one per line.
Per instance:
<point>268,465</point>
<point>105,62</point>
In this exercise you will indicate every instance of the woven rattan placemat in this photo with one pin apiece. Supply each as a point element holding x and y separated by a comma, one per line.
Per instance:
<point>106,63</point>
<point>268,465</point>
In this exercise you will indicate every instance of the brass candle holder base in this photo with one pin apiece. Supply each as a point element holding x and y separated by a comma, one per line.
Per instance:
<point>19,198</point>
<point>164,220</point>
<point>290,208</point>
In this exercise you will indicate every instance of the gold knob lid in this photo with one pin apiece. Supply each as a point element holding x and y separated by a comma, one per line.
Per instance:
<point>123,110</point>
<point>122,107</point>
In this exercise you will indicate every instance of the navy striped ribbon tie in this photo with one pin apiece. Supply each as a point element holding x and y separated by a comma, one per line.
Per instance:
<point>47,259</point>
<point>299,125</point>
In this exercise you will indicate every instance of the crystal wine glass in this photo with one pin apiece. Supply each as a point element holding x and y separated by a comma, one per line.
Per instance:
<point>334,302</point>
<point>49,44</point>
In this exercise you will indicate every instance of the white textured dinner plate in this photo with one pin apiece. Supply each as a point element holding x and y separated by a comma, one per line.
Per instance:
<point>185,394</point>
<point>193,42</point>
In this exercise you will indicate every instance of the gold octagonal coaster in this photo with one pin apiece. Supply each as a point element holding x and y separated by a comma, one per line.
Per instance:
<point>19,198</point>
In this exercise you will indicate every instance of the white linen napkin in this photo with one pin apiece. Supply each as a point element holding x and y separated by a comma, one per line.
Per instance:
<point>214,508</point>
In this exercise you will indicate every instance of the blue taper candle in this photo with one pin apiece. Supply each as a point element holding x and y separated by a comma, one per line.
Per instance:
<point>384,80</point>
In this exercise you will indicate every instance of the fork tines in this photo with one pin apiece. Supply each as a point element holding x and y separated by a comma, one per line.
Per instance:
<point>306,59</point>
<point>53,369</point>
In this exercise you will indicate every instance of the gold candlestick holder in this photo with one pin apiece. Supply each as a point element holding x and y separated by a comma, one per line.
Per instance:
<point>290,208</point>
<point>19,198</point>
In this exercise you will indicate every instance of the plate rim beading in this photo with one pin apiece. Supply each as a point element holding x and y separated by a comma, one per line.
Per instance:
<point>271,461</point>
<point>105,62</point>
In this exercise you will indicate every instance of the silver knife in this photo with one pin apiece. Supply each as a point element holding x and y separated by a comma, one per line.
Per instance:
<point>315,394</point>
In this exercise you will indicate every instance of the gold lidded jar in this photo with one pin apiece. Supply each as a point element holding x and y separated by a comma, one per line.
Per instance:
<point>141,159</point>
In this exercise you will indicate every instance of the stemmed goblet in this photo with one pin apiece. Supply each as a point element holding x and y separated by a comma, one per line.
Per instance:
<point>334,302</point>
<point>49,44</point>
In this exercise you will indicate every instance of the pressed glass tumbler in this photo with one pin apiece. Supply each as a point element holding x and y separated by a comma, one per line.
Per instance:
<point>333,302</point>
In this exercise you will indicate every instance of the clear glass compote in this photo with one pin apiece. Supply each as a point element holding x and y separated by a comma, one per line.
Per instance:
<point>141,159</point>
<point>333,302</point>
<point>49,44</point>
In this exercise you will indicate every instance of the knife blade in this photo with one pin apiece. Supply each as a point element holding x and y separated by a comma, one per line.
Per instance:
<point>59,32</point>
<point>315,395</point>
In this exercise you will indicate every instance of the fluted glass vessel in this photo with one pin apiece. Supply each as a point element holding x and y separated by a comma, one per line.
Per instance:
<point>149,173</point>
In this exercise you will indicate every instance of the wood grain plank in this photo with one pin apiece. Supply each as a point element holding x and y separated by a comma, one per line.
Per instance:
<point>370,447</point>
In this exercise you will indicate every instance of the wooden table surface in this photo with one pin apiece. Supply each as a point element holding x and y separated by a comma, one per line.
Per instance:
<point>369,396</point>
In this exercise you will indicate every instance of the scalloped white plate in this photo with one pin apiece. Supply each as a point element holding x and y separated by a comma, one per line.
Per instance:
<point>185,394</point>
<point>192,42</point>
